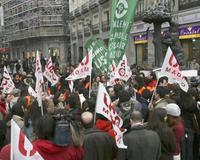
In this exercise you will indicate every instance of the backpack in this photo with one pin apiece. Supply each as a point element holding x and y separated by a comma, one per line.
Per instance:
<point>62,134</point>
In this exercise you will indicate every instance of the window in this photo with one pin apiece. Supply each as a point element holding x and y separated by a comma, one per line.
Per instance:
<point>95,19</point>
<point>106,16</point>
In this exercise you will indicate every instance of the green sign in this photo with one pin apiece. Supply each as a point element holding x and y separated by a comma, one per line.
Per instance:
<point>120,25</point>
<point>99,55</point>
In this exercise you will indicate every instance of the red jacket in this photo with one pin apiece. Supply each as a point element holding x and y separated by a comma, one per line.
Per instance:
<point>105,126</point>
<point>50,151</point>
<point>179,132</point>
<point>3,108</point>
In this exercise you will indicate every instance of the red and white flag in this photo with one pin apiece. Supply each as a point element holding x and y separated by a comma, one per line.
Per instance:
<point>83,70</point>
<point>21,147</point>
<point>171,69</point>
<point>104,106</point>
<point>122,71</point>
<point>50,74</point>
<point>39,79</point>
<point>7,84</point>
<point>32,92</point>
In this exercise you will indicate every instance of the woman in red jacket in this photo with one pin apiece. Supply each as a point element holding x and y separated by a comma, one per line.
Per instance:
<point>45,146</point>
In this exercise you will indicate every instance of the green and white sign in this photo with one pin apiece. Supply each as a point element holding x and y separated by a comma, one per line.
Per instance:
<point>120,25</point>
<point>99,55</point>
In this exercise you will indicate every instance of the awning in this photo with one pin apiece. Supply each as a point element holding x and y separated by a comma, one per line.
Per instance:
<point>4,50</point>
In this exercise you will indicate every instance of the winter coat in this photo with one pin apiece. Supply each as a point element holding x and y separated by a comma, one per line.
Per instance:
<point>98,145</point>
<point>49,151</point>
<point>142,144</point>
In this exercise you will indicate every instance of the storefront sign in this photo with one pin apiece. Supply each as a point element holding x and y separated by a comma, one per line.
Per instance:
<point>139,39</point>
<point>189,32</point>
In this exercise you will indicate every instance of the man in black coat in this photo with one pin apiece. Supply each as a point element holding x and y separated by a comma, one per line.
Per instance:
<point>142,144</point>
<point>98,145</point>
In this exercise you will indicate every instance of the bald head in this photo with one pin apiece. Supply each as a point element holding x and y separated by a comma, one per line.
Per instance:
<point>87,118</point>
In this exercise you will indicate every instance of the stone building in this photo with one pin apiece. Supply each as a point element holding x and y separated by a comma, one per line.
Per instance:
<point>32,25</point>
<point>91,18</point>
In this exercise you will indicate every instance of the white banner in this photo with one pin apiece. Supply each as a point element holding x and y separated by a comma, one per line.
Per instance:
<point>39,79</point>
<point>7,83</point>
<point>122,71</point>
<point>83,70</point>
<point>171,69</point>
<point>21,147</point>
<point>105,107</point>
<point>32,92</point>
<point>50,74</point>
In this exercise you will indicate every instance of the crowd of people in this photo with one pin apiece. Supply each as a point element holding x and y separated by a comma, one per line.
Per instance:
<point>161,120</point>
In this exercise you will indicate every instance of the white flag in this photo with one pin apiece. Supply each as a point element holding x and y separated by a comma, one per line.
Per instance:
<point>83,70</point>
<point>105,107</point>
<point>171,69</point>
<point>7,84</point>
<point>122,71</point>
<point>39,79</point>
<point>21,147</point>
<point>32,92</point>
<point>50,74</point>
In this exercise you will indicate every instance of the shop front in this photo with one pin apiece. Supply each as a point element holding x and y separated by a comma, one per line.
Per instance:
<point>190,40</point>
<point>141,51</point>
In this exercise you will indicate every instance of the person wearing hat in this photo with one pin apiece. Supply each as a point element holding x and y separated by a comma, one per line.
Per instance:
<point>176,124</point>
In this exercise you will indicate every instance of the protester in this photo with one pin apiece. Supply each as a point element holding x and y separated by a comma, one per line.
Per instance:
<point>2,134</point>
<point>157,123</point>
<point>142,144</point>
<point>160,101</point>
<point>48,150</point>
<point>175,122</point>
<point>98,145</point>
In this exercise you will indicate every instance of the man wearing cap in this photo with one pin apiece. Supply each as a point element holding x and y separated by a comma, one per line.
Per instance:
<point>175,122</point>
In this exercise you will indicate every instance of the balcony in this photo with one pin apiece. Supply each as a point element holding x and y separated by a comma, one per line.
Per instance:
<point>85,7</point>
<point>105,26</point>
<point>103,1</point>
<point>73,36</point>
<point>95,29</point>
<point>77,12</point>
<point>188,4</point>
<point>80,34</point>
<point>93,4</point>
<point>86,32</point>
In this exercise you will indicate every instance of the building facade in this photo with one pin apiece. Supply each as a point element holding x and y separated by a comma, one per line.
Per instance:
<point>32,25</point>
<point>91,18</point>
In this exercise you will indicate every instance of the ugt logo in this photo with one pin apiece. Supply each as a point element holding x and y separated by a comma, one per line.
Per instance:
<point>121,9</point>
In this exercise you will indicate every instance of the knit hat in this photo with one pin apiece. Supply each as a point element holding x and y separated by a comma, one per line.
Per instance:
<point>173,110</point>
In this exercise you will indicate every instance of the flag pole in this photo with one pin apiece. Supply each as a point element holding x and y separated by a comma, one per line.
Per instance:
<point>12,141</point>
<point>90,87</point>
<point>154,91</point>
<point>95,111</point>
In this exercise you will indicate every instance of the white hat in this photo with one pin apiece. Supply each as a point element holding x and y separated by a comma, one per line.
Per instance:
<point>173,110</point>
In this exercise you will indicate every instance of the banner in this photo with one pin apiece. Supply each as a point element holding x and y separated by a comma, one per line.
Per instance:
<point>7,84</point>
<point>99,55</point>
<point>49,73</point>
<point>105,107</point>
<point>122,71</point>
<point>171,69</point>
<point>120,25</point>
<point>83,70</point>
<point>32,92</point>
<point>39,79</point>
<point>21,147</point>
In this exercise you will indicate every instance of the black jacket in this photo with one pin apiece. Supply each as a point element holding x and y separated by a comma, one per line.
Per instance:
<point>142,144</point>
<point>98,145</point>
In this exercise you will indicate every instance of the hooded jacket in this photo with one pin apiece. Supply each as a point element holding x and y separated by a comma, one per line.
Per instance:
<point>49,151</point>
